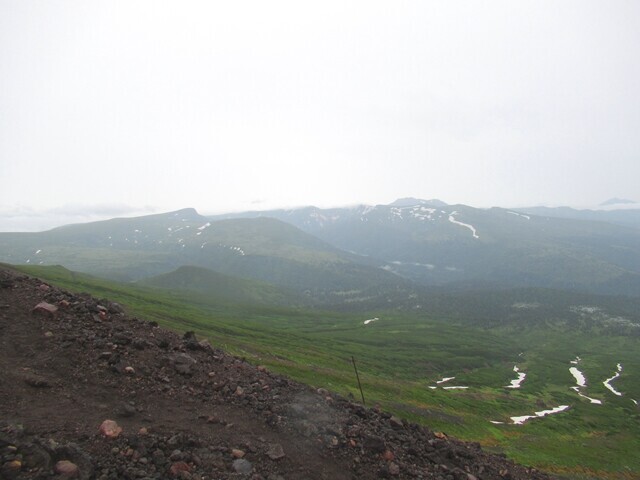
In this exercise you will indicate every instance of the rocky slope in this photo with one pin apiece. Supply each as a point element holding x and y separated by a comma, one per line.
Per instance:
<point>181,408</point>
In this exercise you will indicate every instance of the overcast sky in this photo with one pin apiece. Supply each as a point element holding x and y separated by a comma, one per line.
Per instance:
<point>114,108</point>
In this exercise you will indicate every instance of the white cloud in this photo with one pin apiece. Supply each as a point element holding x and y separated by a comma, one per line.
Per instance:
<point>213,104</point>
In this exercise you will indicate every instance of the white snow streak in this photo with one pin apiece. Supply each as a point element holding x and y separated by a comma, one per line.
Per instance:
<point>445,379</point>
<point>607,382</point>
<point>367,322</point>
<point>543,413</point>
<point>581,382</point>
<point>518,381</point>
<point>520,215</point>
<point>577,374</point>
<point>466,225</point>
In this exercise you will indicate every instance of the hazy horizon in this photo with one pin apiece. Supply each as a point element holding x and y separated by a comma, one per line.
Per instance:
<point>29,220</point>
<point>126,108</point>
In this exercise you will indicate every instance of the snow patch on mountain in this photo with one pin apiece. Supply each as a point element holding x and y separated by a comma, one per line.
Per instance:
<point>423,213</point>
<point>397,212</point>
<point>452,219</point>
<point>520,215</point>
<point>233,248</point>
<point>581,382</point>
<point>516,383</point>
<point>543,413</point>
<point>428,266</point>
<point>445,379</point>
<point>607,382</point>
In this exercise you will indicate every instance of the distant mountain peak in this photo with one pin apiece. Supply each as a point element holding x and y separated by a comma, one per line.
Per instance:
<point>410,202</point>
<point>616,201</point>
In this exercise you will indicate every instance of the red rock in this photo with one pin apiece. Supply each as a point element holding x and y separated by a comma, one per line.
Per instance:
<point>110,429</point>
<point>388,455</point>
<point>237,453</point>
<point>143,431</point>
<point>45,309</point>
<point>67,469</point>
<point>43,287</point>
<point>63,303</point>
<point>178,467</point>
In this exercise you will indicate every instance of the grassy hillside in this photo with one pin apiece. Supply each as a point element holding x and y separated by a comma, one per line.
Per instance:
<point>221,288</point>
<point>400,356</point>
<point>263,249</point>
<point>457,244</point>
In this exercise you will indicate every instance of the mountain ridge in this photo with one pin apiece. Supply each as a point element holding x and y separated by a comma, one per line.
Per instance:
<point>366,250</point>
<point>461,244</point>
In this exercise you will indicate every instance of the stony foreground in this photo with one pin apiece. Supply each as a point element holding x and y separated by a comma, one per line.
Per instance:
<point>87,391</point>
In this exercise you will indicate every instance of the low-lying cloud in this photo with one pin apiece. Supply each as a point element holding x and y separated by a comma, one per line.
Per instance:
<point>28,219</point>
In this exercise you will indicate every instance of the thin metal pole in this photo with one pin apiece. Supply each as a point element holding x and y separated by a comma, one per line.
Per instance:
<point>353,360</point>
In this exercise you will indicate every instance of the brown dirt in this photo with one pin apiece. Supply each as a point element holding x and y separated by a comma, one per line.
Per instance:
<point>62,375</point>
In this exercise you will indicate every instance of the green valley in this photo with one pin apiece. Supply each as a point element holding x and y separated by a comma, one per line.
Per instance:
<point>402,355</point>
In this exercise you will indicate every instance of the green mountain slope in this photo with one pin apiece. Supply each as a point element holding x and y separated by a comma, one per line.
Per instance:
<point>261,249</point>
<point>221,288</point>
<point>466,247</point>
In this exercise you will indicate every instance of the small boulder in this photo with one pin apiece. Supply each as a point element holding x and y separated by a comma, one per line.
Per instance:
<point>178,467</point>
<point>67,469</point>
<point>182,363</point>
<point>275,451</point>
<point>388,455</point>
<point>115,308</point>
<point>45,309</point>
<point>110,429</point>
<point>395,422</point>
<point>242,466</point>
<point>237,453</point>
<point>36,381</point>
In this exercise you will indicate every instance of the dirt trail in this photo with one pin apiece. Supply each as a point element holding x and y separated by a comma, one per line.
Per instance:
<point>187,410</point>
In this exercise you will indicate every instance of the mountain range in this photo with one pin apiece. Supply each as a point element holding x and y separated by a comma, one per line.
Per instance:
<point>355,254</point>
<point>458,246</point>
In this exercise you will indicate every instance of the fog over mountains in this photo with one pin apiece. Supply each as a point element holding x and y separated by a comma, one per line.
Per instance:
<point>357,252</point>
